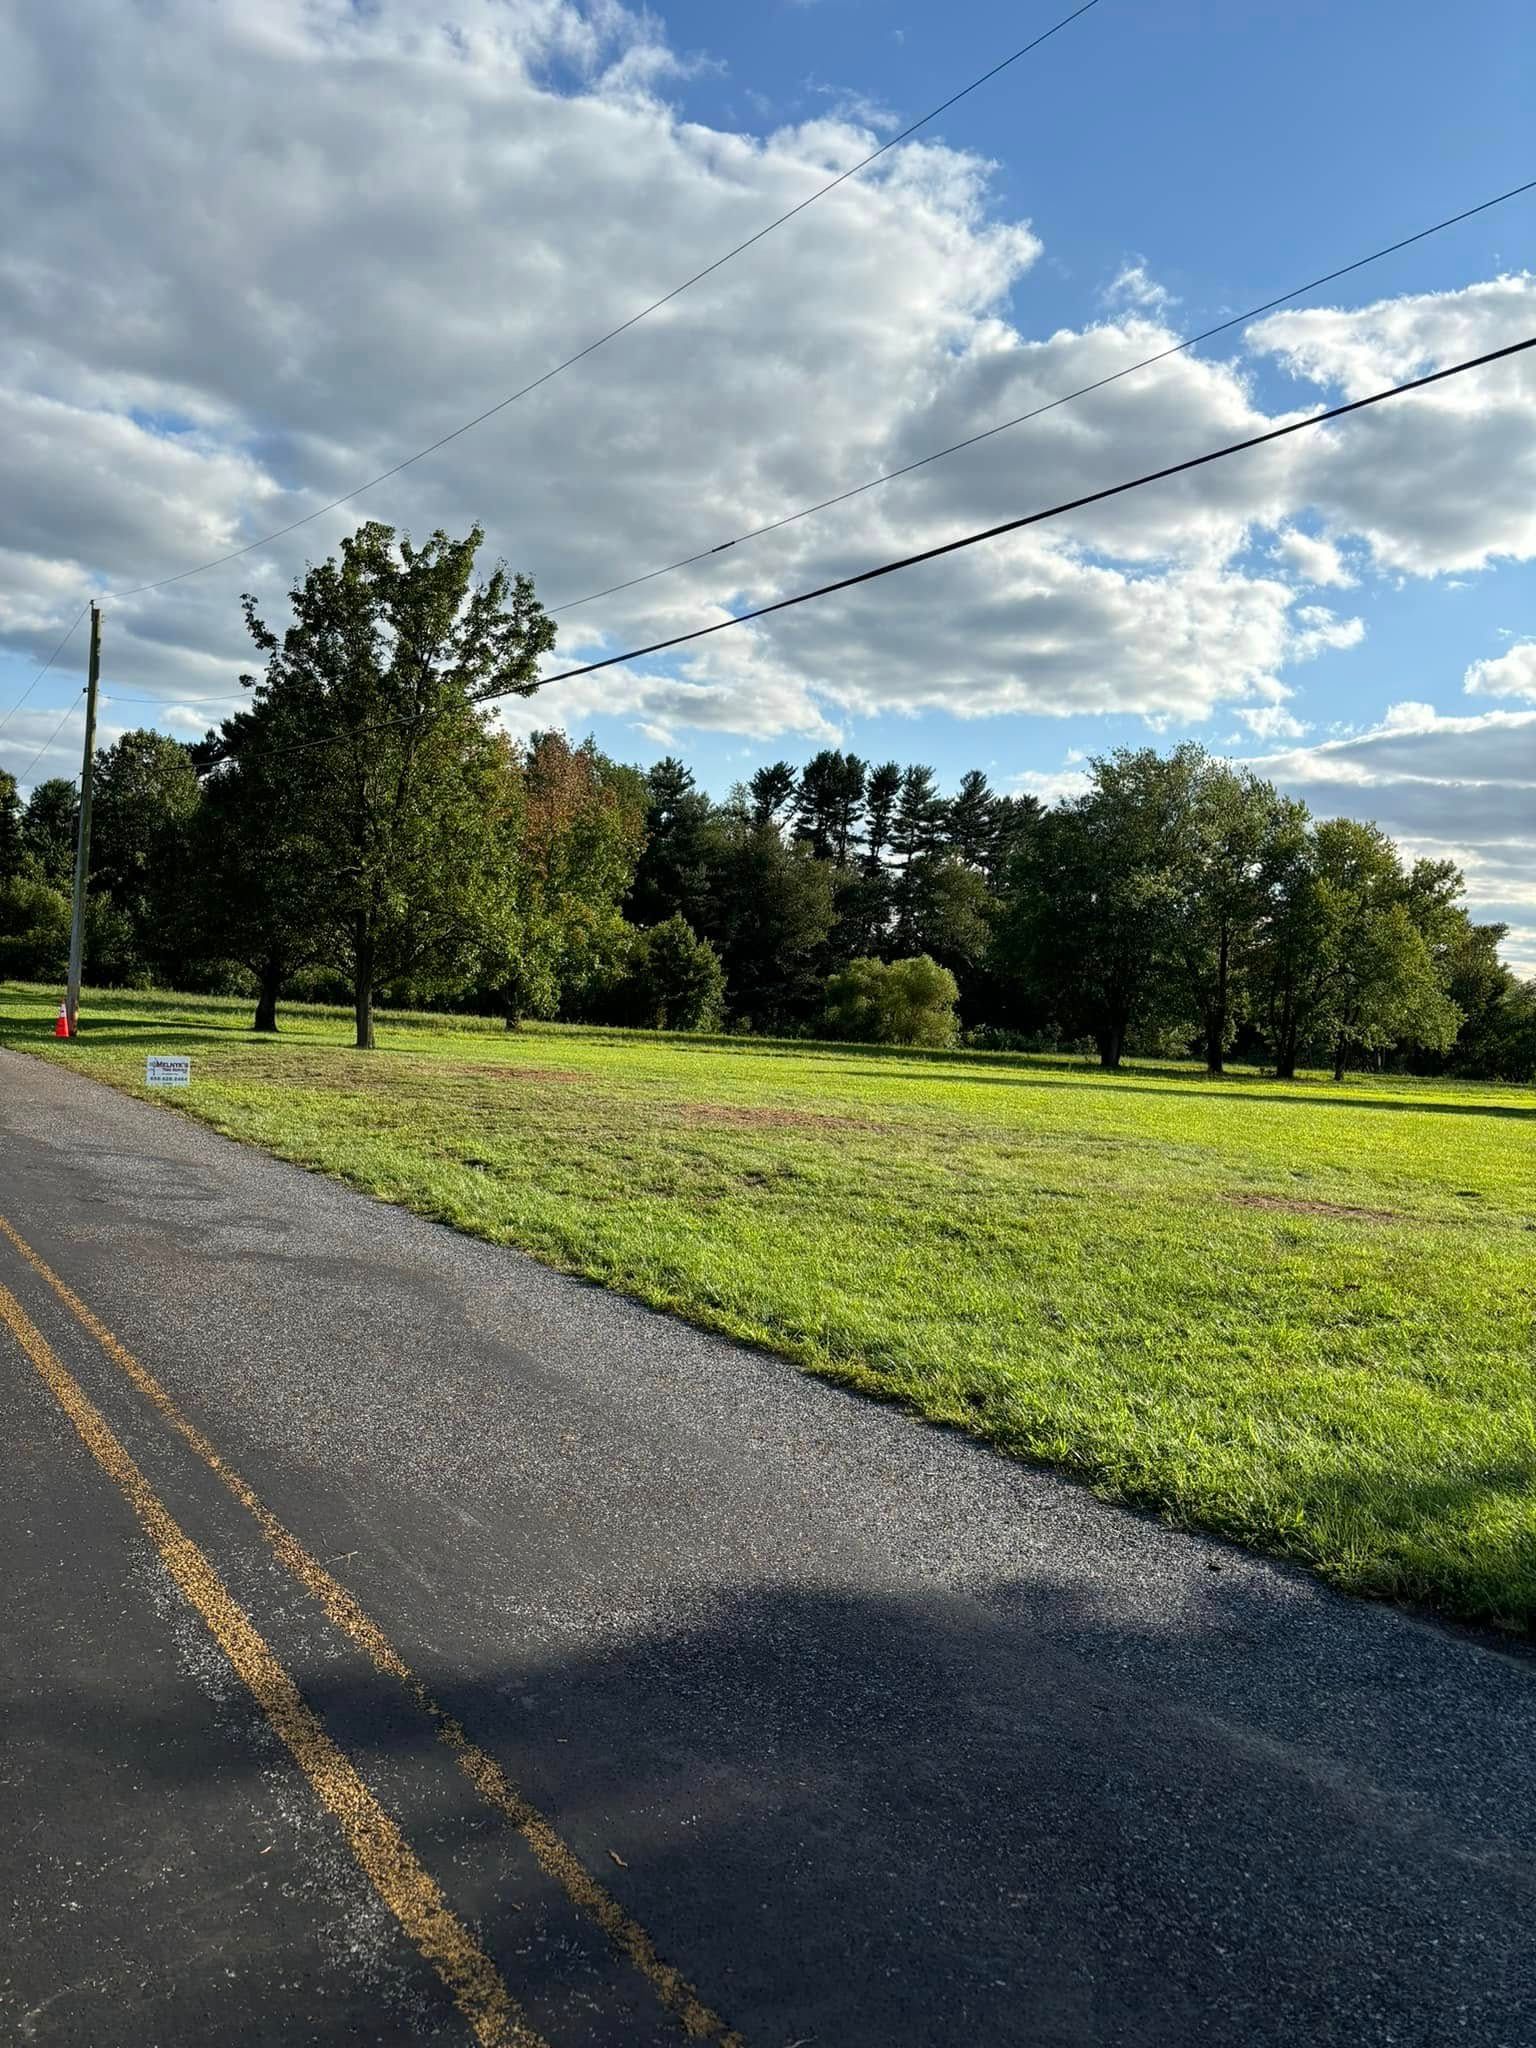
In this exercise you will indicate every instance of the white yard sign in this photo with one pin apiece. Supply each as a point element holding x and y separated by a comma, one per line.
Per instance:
<point>162,1071</point>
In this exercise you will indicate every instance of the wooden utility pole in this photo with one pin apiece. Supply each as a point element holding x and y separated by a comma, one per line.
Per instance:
<point>83,836</point>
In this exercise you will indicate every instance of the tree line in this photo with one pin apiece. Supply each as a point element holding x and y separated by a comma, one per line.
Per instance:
<point>363,829</point>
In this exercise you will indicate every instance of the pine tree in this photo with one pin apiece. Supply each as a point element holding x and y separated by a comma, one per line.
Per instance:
<point>831,804</point>
<point>921,815</point>
<point>881,792</point>
<point>973,820</point>
<point>772,791</point>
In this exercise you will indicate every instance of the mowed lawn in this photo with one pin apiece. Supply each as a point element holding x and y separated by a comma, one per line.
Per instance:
<point>1299,1315</point>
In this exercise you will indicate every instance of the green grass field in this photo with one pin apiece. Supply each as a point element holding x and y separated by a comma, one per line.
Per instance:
<point>1299,1315</point>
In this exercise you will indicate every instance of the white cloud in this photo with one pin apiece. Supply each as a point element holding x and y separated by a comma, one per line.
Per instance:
<point>1506,675</point>
<point>264,308</point>
<point>1457,788</point>
<point>48,743</point>
<point>1409,715</point>
<point>1272,722</point>
<point>1316,628</point>
<point>849,104</point>
<point>1050,787</point>
<point>1444,479</point>
<point>1132,285</point>
<point>1312,559</point>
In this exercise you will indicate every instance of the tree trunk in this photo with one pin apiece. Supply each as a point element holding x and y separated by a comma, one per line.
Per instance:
<point>1216,1021</point>
<point>1285,1040</point>
<point>1111,1044</point>
<point>363,1004</point>
<point>514,1018</point>
<point>271,987</point>
<point>1215,1036</point>
<point>1340,1053</point>
<point>1285,1055</point>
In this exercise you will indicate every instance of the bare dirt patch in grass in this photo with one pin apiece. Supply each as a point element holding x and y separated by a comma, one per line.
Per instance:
<point>1060,1261</point>
<point>750,1117</point>
<point>366,1076</point>
<point>1293,1205</point>
<point>468,1070</point>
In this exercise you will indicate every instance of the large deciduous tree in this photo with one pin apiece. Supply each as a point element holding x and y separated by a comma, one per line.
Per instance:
<point>1088,934</point>
<point>266,893</point>
<point>574,827</point>
<point>12,839</point>
<point>1237,837</point>
<point>142,824</point>
<point>394,778</point>
<point>34,929</point>
<point>1358,953</point>
<point>1379,981</point>
<point>48,832</point>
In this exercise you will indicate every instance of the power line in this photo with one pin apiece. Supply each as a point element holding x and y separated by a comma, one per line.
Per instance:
<point>921,462</point>
<point>624,326</point>
<point>127,697</point>
<point>1066,398</point>
<point>69,712</point>
<point>969,540</point>
<point>48,664</point>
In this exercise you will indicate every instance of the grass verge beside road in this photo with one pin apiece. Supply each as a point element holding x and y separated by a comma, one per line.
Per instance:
<point>1298,1315</point>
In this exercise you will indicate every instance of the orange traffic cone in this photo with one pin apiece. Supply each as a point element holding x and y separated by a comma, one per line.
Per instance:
<point>61,1029</point>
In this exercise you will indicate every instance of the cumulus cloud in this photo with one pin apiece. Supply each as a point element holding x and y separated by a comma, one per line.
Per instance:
<point>1444,479</point>
<point>1050,786</point>
<point>1272,722</point>
<point>1312,559</point>
<point>1457,788</point>
<point>401,215</point>
<point>1512,674</point>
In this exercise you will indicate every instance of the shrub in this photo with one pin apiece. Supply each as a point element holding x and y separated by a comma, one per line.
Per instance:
<point>671,980</point>
<point>999,1038</point>
<point>34,931</point>
<point>900,1002</point>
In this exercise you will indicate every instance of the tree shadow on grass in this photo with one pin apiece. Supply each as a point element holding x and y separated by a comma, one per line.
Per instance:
<point>1471,1529</point>
<point>1229,1093</point>
<point>914,1065</point>
<point>861,1819</point>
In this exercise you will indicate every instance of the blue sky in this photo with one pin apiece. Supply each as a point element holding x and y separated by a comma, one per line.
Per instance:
<point>1234,151</point>
<point>394,221</point>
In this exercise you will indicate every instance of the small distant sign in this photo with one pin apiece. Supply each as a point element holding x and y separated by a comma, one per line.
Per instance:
<point>161,1071</point>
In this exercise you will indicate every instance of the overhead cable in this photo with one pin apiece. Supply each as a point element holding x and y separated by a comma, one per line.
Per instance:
<point>968,540</point>
<point>634,319</point>
<point>1065,398</point>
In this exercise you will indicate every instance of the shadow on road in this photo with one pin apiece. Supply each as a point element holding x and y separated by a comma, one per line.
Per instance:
<point>862,1821</point>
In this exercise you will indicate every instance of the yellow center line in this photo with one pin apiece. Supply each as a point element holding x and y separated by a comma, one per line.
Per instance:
<point>372,1836</point>
<point>555,1856</point>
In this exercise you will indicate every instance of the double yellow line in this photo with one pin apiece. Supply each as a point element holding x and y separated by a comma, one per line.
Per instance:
<point>486,2004</point>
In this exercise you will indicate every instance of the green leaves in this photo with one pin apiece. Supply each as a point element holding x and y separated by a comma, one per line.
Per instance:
<point>394,795</point>
<point>900,1002</point>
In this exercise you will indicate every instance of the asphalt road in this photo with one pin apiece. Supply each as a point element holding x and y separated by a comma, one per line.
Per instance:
<point>404,1643</point>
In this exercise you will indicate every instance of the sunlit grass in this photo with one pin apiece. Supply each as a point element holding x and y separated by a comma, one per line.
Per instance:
<point>1297,1314</point>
